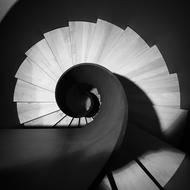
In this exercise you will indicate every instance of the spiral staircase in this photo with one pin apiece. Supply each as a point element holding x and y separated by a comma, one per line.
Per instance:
<point>98,108</point>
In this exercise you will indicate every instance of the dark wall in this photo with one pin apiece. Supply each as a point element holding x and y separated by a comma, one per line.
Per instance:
<point>162,23</point>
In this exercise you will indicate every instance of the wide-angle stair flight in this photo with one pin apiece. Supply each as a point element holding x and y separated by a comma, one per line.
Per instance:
<point>111,95</point>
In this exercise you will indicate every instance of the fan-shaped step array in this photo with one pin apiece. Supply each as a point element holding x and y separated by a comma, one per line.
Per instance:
<point>153,93</point>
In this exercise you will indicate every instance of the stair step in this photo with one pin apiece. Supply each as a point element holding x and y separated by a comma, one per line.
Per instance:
<point>59,42</point>
<point>161,84</point>
<point>89,119</point>
<point>150,63</point>
<point>155,69</point>
<point>26,92</point>
<point>30,111</point>
<point>46,121</point>
<point>32,73</point>
<point>74,122</point>
<point>81,36</point>
<point>129,46</point>
<point>82,121</point>
<point>41,54</point>
<point>144,59</point>
<point>130,177</point>
<point>104,38</point>
<point>64,122</point>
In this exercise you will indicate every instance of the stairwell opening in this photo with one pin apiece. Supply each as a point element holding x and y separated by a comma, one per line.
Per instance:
<point>77,99</point>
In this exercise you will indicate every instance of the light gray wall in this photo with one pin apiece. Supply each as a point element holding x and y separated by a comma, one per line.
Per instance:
<point>5,5</point>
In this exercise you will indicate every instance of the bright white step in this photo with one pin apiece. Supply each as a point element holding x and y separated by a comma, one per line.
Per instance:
<point>142,60</point>
<point>82,121</point>
<point>64,122</point>
<point>130,177</point>
<point>163,90</point>
<point>26,92</point>
<point>81,36</point>
<point>155,69</point>
<point>162,164</point>
<point>42,55</point>
<point>59,42</point>
<point>89,119</point>
<point>33,74</point>
<point>129,46</point>
<point>161,84</point>
<point>30,111</point>
<point>149,64</point>
<point>104,38</point>
<point>47,120</point>
<point>75,122</point>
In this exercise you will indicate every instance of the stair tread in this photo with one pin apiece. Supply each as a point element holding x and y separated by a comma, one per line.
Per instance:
<point>26,92</point>
<point>82,121</point>
<point>47,120</point>
<point>81,36</point>
<point>144,59</point>
<point>64,122</point>
<point>149,64</point>
<point>31,73</point>
<point>159,84</point>
<point>75,122</point>
<point>89,119</point>
<point>130,45</point>
<point>41,54</point>
<point>130,177</point>
<point>59,42</point>
<point>104,38</point>
<point>30,111</point>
